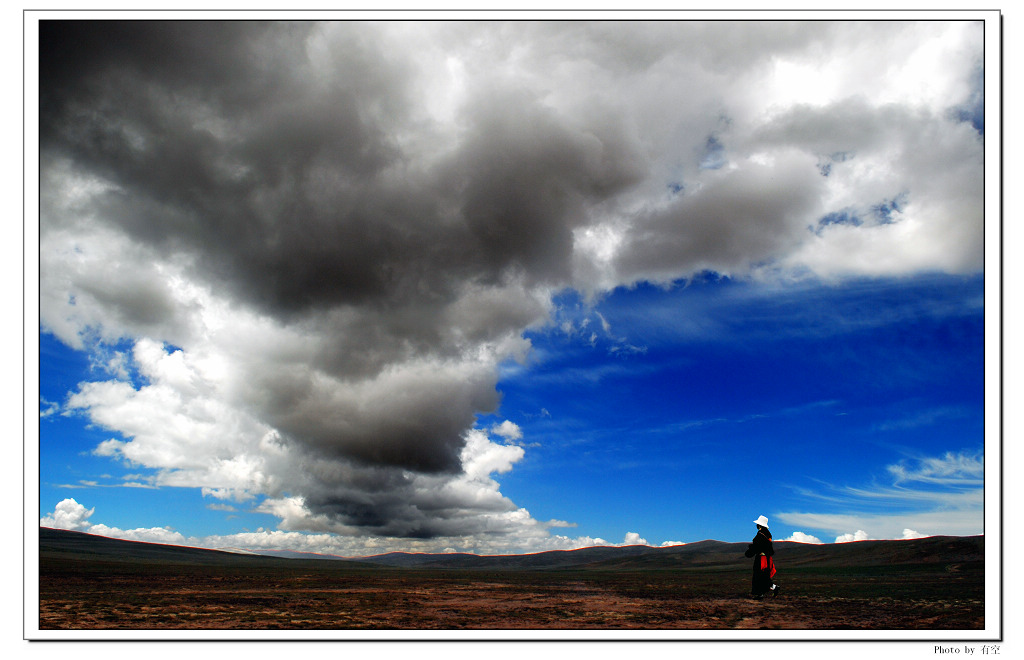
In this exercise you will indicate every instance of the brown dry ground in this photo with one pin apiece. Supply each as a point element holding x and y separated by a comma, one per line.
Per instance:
<point>97,595</point>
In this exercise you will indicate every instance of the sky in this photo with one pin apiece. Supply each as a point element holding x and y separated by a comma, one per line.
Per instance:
<point>512,286</point>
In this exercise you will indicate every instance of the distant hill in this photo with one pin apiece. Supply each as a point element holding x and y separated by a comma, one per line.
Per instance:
<point>719,556</point>
<point>55,544</point>
<point>58,544</point>
<point>550,559</point>
<point>711,555</point>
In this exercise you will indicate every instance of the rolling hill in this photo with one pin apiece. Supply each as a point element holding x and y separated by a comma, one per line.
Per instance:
<point>56,544</point>
<point>711,555</point>
<point>62,544</point>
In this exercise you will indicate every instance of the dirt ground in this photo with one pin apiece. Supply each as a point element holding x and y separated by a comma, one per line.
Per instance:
<point>93,596</point>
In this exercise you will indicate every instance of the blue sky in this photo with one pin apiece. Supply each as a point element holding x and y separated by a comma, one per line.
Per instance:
<point>670,412</point>
<point>736,397</point>
<point>510,287</point>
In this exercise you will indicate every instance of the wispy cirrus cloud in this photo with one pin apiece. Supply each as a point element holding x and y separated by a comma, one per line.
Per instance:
<point>92,483</point>
<point>928,495</point>
<point>924,418</point>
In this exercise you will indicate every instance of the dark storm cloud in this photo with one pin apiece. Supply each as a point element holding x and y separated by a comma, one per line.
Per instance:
<point>754,214</point>
<point>283,185</point>
<point>226,144</point>
<point>413,419</point>
<point>527,178</point>
<point>73,54</point>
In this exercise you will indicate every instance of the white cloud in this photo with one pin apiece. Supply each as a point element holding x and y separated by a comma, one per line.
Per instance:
<point>800,537</point>
<point>68,514</point>
<point>950,469</point>
<point>47,408</point>
<point>911,534</point>
<point>530,536</point>
<point>227,494</point>
<point>965,522</point>
<point>510,431</point>
<point>481,457</point>
<point>859,535</point>
<point>146,535</point>
<point>942,495</point>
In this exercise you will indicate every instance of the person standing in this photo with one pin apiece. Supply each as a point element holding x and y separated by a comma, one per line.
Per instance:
<point>761,550</point>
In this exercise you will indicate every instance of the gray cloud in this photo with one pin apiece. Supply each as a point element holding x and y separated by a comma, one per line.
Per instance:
<point>347,226</point>
<point>293,190</point>
<point>740,217</point>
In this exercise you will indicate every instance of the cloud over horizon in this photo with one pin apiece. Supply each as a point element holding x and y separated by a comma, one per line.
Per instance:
<point>69,514</point>
<point>940,495</point>
<point>303,250</point>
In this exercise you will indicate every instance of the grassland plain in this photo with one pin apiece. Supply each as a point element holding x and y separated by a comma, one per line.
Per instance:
<point>79,591</point>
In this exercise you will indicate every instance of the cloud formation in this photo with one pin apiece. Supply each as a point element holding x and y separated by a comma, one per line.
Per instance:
<point>69,514</point>
<point>302,250</point>
<point>859,535</point>
<point>940,495</point>
<point>800,537</point>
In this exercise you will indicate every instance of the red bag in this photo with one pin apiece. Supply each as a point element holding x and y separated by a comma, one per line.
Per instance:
<point>768,563</point>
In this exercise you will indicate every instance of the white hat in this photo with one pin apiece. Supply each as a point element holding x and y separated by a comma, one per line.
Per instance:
<point>762,521</point>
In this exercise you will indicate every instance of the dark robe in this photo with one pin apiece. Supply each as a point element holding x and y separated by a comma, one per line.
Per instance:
<point>761,550</point>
